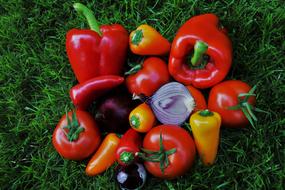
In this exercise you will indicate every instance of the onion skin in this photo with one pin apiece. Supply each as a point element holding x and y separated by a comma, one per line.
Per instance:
<point>172,103</point>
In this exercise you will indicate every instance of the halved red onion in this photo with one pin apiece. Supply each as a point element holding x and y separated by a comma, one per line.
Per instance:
<point>172,103</point>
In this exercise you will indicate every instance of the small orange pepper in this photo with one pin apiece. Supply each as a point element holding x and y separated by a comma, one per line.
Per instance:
<point>206,131</point>
<point>104,157</point>
<point>142,118</point>
<point>145,40</point>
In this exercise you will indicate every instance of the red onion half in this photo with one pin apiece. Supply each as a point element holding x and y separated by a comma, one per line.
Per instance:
<point>172,103</point>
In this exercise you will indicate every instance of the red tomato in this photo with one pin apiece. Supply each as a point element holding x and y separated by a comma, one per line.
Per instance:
<point>153,74</point>
<point>172,137</point>
<point>224,95</point>
<point>80,147</point>
<point>200,102</point>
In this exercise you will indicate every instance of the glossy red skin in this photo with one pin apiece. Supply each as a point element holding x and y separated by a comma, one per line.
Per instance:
<point>202,28</point>
<point>224,95</point>
<point>130,142</point>
<point>87,142</point>
<point>91,55</point>
<point>83,94</point>
<point>173,137</point>
<point>151,77</point>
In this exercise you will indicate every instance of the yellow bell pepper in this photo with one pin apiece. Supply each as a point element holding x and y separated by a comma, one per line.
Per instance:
<point>205,127</point>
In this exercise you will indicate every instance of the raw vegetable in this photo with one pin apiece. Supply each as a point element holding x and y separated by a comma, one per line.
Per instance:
<point>113,112</point>
<point>76,135</point>
<point>199,99</point>
<point>205,127</point>
<point>128,147</point>
<point>100,50</point>
<point>234,100</point>
<point>145,40</point>
<point>146,78</point>
<point>212,56</point>
<point>104,157</point>
<point>83,94</point>
<point>131,177</point>
<point>169,151</point>
<point>172,103</point>
<point>142,118</point>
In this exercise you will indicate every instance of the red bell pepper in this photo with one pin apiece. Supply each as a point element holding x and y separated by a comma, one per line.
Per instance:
<point>211,46</point>
<point>83,94</point>
<point>99,51</point>
<point>128,147</point>
<point>147,77</point>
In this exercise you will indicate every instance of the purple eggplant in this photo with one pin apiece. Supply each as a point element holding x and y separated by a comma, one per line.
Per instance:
<point>131,177</point>
<point>113,112</point>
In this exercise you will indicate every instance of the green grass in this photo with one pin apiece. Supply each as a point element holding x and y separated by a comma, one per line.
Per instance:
<point>35,77</point>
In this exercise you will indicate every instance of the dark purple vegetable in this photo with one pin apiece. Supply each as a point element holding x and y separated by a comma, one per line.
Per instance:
<point>131,177</point>
<point>113,112</point>
<point>172,103</point>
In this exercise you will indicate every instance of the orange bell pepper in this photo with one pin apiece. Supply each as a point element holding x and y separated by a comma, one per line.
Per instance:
<point>142,118</point>
<point>145,40</point>
<point>104,157</point>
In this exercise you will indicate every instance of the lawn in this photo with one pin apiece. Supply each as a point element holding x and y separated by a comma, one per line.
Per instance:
<point>35,78</point>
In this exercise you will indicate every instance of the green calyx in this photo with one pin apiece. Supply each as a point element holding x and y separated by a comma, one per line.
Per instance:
<point>127,157</point>
<point>160,156</point>
<point>200,48</point>
<point>88,14</point>
<point>206,113</point>
<point>135,121</point>
<point>74,128</point>
<point>247,108</point>
<point>137,37</point>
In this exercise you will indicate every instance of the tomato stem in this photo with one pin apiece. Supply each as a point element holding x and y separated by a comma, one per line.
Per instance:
<point>88,14</point>
<point>247,108</point>
<point>74,128</point>
<point>160,156</point>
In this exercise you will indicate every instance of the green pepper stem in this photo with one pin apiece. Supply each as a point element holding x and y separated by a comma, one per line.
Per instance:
<point>137,37</point>
<point>127,157</point>
<point>200,49</point>
<point>88,14</point>
<point>206,113</point>
<point>134,70</point>
<point>135,121</point>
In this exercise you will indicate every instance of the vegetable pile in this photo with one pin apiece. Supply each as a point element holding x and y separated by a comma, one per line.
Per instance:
<point>143,115</point>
